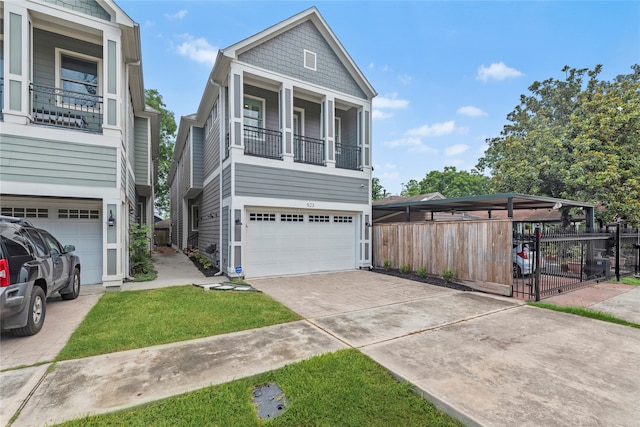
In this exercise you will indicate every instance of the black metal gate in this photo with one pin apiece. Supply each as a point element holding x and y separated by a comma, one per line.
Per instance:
<point>545,264</point>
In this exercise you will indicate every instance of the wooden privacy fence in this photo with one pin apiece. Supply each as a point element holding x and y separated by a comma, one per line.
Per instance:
<point>475,250</point>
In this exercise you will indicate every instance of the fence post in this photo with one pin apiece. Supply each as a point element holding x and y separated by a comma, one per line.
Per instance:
<point>538,263</point>
<point>618,251</point>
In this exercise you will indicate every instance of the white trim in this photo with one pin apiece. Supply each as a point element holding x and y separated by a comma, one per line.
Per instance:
<point>263,109</point>
<point>337,133</point>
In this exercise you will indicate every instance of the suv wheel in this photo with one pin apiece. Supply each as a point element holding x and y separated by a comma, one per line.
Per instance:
<point>37,312</point>
<point>74,287</point>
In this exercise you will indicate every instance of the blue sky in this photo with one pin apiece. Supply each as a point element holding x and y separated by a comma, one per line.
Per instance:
<point>447,73</point>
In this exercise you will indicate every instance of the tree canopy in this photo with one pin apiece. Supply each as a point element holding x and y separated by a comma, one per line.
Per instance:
<point>377,190</point>
<point>167,141</point>
<point>577,138</point>
<point>450,183</point>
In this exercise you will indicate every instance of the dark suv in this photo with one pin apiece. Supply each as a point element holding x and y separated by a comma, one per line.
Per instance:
<point>33,266</point>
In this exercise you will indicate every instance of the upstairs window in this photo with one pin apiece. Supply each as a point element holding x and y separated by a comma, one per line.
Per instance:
<point>79,77</point>
<point>253,112</point>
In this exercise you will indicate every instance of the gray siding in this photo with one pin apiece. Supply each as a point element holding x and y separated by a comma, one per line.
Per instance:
<point>312,117</point>
<point>284,54</point>
<point>185,166</point>
<point>198,157</point>
<point>210,213</point>
<point>349,123</point>
<point>131,190</point>
<point>226,182</point>
<point>175,198</point>
<point>44,53</point>
<point>89,7</point>
<point>272,113</point>
<point>261,181</point>
<point>212,148</point>
<point>57,162</point>
<point>224,246</point>
<point>141,162</point>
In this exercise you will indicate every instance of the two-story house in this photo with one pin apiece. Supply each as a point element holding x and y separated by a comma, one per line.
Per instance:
<point>78,146</point>
<point>272,174</point>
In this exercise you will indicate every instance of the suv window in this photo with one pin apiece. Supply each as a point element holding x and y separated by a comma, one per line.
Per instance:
<point>54,246</point>
<point>37,241</point>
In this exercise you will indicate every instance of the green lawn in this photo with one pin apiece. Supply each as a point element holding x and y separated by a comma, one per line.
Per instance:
<point>137,319</point>
<point>629,280</point>
<point>345,388</point>
<point>585,312</point>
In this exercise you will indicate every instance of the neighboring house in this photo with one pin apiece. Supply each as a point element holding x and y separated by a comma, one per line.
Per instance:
<point>273,172</point>
<point>78,146</point>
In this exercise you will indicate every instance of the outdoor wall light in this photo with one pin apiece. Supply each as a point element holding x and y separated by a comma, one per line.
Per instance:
<point>111,221</point>
<point>238,222</point>
<point>368,224</point>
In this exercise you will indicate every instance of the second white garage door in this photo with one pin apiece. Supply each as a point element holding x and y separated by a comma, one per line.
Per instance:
<point>295,243</point>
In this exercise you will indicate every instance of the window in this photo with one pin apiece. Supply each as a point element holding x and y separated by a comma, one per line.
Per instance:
<point>25,212</point>
<point>318,218</point>
<point>52,243</point>
<point>291,218</point>
<point>253,112</point>
<point>338,132</point>
<point>78,214</point>
<point>195,217</point>
<point>338,218</point>
<point>309,60</point>
<point>269,217</point>
<point>78,76</point>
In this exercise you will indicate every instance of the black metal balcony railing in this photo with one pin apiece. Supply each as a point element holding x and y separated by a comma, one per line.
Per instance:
<point>64,108</point>
<point>348,157</point>
<point>308,150</point>
<point>262,142</point>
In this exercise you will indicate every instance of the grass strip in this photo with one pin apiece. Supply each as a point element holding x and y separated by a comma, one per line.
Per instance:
<point>629,280</point>
<point>585,312</point>
<point>136,319</point>
<point>345,388</point>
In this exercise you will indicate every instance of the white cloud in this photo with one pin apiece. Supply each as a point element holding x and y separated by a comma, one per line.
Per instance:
<point>456,149</point>
<point>497,71</point>
<point>178,15</point>
<point>405,79</point>
<point>372,65</point>
<point>390,102</point>
<point>381,115</point>
<point>390,166</point>
<point>197,49</point>
<point>471,111</point>
<point>404,142</point>
<point>436,129</point>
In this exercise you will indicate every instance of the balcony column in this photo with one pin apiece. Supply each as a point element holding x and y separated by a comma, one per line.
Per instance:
<point>286,121</point>
<point>328,131</point>
<point>236,96</point>
<point>16,63</point>
<point>112,81</point>
<point>365,141</point>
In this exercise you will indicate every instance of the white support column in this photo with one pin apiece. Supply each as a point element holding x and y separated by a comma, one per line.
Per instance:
<point>328,123</point>
<point>17,53</point>
<point>236,97</point>
<point>286,121</point>
<point>113,90</point>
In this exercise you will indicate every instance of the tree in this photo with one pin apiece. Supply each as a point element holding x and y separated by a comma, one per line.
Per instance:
<point>575,138</point>
<point>449,183</point>
<point>167,141</point>
<point>377,190</point>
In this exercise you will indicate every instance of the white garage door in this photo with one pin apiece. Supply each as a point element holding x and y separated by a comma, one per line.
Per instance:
<point>294,243</point>
<point>71,225</point>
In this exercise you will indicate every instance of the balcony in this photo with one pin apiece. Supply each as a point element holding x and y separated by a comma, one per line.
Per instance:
<point>308,150</point>
<point>262,142</point>
<point>67,109</point>
<point>348,157</point>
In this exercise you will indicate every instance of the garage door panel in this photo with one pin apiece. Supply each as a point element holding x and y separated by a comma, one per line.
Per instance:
<point>310,243</point>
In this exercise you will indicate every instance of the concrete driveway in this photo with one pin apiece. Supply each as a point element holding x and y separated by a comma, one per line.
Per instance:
<point>486,360</point>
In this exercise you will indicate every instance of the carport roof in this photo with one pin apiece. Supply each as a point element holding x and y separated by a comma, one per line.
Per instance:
<point>489,202</point>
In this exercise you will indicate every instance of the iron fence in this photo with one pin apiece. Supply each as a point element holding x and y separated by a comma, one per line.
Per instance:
<point>308,150</point>
<point>348,157</point>
<point>562,261</point>
<point>57,107</point>
<point>262,142</point>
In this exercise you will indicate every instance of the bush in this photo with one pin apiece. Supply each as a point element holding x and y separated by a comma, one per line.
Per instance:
<point>387,264</point>
<point>404,269</point>
<point>421,272</point>
<point>448,275</point>
<point>139,254</point>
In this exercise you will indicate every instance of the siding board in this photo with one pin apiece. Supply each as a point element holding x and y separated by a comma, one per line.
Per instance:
<point>141,152</point>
